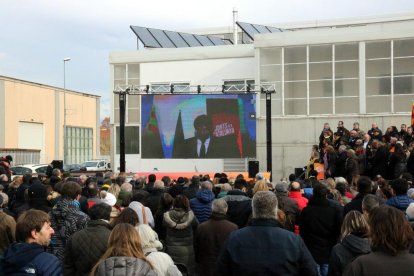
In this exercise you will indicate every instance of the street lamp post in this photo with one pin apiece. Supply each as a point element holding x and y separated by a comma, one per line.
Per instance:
<point>64,110</point>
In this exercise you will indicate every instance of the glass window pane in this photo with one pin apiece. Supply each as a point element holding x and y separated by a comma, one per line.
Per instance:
<point>131,140</point>
<point>133,101</point>
<point>404,66</point>
<point>133,71</point>
<point>381,49</point>
<point>271,73</point>
<point>378,86</point>
<point>320,106</point>
<point>403,85</point>
<point>379,104</point>
<point>378,68</point>
<point>348,69</point>
<point>295,55</point>
<point>295,72</point>
<point>270,56</point>
<point>295,107</point>
<point>346,51</point>
<point>320,89</point>
<point>346,87</point>
<point>346,105</point>
<point>403,48</point>
<point>320,53</point>
<point>134,116</point>
<point>403,103</point>
<point>319,71</point>
<point>295,89</point>
<point>120,72</point>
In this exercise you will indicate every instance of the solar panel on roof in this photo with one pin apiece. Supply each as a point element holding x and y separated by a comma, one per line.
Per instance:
<point>204,40</point>
<point>176,39</point>
<point>274,30</point>
<point>248,29</point>
<point>190,39</point>
<point>262,29</point>
<point>145,36</point>
<point>216,40</point>
<point>162,38</point>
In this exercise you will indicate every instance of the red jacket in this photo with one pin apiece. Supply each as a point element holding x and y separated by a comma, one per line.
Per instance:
<point>301,200</point>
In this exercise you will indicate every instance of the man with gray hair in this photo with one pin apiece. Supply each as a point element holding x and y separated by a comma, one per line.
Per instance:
<point>210,237</point>
<point>263,247</point>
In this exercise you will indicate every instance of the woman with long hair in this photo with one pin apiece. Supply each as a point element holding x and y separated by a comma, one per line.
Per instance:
<point>124,255</point>
<point>353,243</point>
<point>391,237</point>
<point>181,223</point>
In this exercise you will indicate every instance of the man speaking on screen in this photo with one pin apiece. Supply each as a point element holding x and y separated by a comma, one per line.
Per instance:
<point>204,144</point>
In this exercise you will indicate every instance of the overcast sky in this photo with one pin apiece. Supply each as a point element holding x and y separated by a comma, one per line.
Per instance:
<point>35,35</point>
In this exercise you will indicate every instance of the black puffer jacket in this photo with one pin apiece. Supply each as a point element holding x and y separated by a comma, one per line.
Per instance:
<point>84,248</point>
<point>126,266</point>
<point>346,251</point>
<point>179,240</point>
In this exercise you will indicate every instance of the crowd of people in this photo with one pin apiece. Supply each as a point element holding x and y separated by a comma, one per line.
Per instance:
<point>358,220</point>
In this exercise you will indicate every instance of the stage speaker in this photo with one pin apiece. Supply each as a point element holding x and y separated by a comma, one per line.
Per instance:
<point>299,173</point>
<point>253,168</point>
<point>57,164</point>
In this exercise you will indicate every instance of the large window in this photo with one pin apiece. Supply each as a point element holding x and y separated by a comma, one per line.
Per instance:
<point>131,140</point>
<point>79,145</point>
<point>325,79</point>
<point>127,74</point>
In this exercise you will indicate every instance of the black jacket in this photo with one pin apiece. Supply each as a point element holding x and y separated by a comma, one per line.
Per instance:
<point>319,226</point>
<point>84,248</point>
<point>346,251</point>
<point>239,207</point>
<point>264,248</point>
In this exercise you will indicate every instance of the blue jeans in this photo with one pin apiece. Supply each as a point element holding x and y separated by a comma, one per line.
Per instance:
<point>322,269</point>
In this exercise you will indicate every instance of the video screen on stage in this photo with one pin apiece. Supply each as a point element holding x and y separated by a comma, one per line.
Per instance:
<point>198,126</point>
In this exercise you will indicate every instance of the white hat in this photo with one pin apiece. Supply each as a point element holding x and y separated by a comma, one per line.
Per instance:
<point>109,199</point>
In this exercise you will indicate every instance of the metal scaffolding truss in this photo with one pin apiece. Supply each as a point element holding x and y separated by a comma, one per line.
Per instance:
<point>195,89</point>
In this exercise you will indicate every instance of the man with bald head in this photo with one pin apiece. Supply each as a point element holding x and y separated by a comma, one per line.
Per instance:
<point>375,132</point>
<point>296,194</point>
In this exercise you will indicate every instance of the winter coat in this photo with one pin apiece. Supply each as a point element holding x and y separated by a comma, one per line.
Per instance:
<point>264,248</point>
<point>319,226</point>
<point>239,207</point>
<point>290,208</point>
<point>30,257</point>
<point>299,198</point>
<point>379,263</point>
<point>125,266</point>
<point>153,200</point>
<point>84,248</point>
<point>162,263</point>
<point>179,240</point>
<point>7,231</point>
<point>66,219</point>
<point>345,252</point>
<point>209,241</point>
<point>400,202</point>
<point>191,191</point>
<point>351,169</point>
<point>355,204</point>
<point>201,204</point>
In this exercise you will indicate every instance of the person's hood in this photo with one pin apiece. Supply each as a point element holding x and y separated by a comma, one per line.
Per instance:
<point>357,245</point>
<point>20,254</point>
<point>205,195</point>
<point>178,218</point>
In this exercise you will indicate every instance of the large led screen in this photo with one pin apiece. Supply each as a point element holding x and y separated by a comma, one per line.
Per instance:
<point>198,126</point>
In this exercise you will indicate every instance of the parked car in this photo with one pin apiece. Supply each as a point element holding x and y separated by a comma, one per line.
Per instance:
<point>28,169</point>
<point>72,168</point>
<point>96,165</point>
